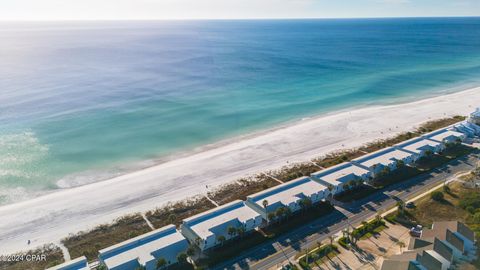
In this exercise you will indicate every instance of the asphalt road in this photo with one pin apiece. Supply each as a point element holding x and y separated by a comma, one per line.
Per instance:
<point>278,251</point>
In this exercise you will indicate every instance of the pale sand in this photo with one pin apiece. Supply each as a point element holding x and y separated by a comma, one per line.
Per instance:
<point>52,217</point>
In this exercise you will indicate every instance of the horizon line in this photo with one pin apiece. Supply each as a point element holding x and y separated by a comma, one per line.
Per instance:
<point>240,19</point>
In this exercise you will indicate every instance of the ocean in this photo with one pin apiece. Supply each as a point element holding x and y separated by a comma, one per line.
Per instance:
<point>86,101</point>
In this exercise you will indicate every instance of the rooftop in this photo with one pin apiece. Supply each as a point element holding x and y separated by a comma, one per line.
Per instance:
<point>288,192</point>
<point>430,248</point>
<point>141,247</point>
<point>416,145</point>
<point>333,174</point>
<point>399,262</point>
<point>417,243</point>
<point>397,265</point>
<point>413,259</point>
<point>476,113</point>
<point>384,157</point>
<point>443,134</point>
<point>203,223</point>
<point>75,264</point>
<point>439,230</point>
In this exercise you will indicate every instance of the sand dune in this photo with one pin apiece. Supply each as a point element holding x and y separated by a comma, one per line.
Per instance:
<point>51,217</point>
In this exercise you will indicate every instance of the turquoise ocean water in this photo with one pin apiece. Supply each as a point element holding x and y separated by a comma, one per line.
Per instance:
<point>82,101</point>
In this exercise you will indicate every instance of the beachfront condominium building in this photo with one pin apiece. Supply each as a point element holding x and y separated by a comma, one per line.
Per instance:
<point>337,176</point>
<point>421,147</point>
<point>446,136</point>
<point>76,264</point>
<point>292,195</point>
<point>475,117</point>
<point>470,127</point>
<point>390,158</point>
<point>454,234</point>
<point>212,228</point>
<point>436,249</point>
<point>425,256</point>
<point>146,250</point>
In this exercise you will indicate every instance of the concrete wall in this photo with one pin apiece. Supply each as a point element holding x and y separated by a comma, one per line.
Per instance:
<point>252,224</point>
<point>169,254</point>
<point>132,264</point>
<point>192,237</point>
<point>469,246</point>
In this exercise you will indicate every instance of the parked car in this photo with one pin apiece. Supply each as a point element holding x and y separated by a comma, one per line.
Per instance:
<point>410,205</point>
<point>416,231</point>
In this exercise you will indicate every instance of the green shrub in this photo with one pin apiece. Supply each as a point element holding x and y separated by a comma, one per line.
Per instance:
<point>470,209</point>
<point>437,196</point>
<point>367,228</point>
<point>343,241</point>
<point>392,218</point>
<point>316,255</point>
<point>470,200</point>
<point>304,265</point>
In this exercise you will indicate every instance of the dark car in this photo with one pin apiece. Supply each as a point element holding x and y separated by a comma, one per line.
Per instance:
<point>410,205</point>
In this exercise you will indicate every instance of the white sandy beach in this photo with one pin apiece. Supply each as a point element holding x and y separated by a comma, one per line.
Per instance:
<point>49,218</point>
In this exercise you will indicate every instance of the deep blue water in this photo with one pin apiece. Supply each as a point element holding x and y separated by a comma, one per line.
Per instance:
<point>82,99</point>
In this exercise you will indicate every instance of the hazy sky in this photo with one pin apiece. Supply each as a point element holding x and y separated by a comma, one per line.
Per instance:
<point>230,9</point>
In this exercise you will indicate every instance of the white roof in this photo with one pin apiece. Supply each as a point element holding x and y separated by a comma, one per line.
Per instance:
<point>476,113</point>
<point>141,247</point>
<point>444,134</point>
<point>418,144</point>
<point>333,174</point>
<point>384,157</point>
<point>75,264</point>
<point>289,192</point>
<point>203,223</point>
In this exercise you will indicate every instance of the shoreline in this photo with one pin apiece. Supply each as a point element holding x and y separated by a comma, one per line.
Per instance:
<point>55,215</point>
<point>71,181</point>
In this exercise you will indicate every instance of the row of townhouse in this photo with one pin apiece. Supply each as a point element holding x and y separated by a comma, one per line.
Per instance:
<point>338,176</point>
<point>471,127</point>
<point>220,224</point>
<point>409,152</point>
<point>143,251</point>
<point>210,229</point>
<point>389,158</point>
<point>288,195</point>
<point>438,248</point>
<point>75,264</point>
